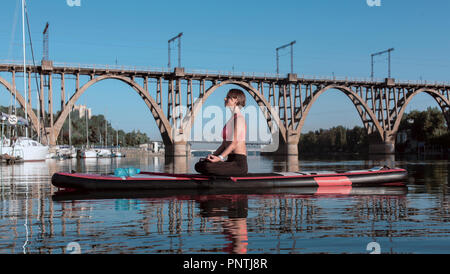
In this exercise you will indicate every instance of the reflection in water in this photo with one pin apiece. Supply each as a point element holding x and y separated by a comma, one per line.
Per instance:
<point>20,187</point>
<point>35,218</point>
<point>226,215</point>
<point>382,160</point>
<point>177,164</point>
<point>292,163</point>
<point>230,212</point>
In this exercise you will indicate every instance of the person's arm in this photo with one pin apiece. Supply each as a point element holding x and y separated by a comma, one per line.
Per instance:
<point>219,149</point>
<point>217,152</point>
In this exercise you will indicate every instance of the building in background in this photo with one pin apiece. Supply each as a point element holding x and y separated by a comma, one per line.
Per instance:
<point>82,109</point>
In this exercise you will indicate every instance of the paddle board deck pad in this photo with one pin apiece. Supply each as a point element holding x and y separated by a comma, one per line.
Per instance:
<point>378,176</point>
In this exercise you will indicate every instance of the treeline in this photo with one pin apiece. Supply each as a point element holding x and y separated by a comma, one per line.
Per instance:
<point>429,127</point>
<point>336,139</point>
<point>98,127</point>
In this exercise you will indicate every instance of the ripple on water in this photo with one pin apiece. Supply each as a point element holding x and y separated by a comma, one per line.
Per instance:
<point>416,221</point>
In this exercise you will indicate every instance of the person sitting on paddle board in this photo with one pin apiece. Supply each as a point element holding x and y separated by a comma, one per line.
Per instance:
<point>233,147</point>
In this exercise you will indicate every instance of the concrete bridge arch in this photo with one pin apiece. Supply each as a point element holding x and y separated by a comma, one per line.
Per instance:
<point>366,114</point>
<point>161,120</point>
<point>440,99</point>
<point>31,115</point>
<point>270,113</point>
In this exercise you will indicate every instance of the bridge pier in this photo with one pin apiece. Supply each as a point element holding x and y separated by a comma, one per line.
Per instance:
<point>177,149</point>
<point>386,146</point>
<point>289,147</point>
<point>49,137</point>
<point>382,148</point>
<point>177,165</point>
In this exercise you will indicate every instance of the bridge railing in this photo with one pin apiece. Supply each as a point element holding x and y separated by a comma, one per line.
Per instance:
<point>16,62</point>
<point>224,73</point>
<point>112,67</point>
<point>279,76</point>
<point>91,66</point>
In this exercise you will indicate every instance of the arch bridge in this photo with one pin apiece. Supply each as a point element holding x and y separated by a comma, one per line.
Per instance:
<point>285,100</point>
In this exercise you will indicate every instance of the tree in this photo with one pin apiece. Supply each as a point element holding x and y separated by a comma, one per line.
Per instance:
<point>427,126</point>
<point>97,132</point>
<point>424,126</point>
<point>336,139</point>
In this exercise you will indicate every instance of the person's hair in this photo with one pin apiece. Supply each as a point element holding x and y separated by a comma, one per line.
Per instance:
<point>239,95</point>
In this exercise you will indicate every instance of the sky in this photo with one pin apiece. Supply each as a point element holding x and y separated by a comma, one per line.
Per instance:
<point>332,38</point>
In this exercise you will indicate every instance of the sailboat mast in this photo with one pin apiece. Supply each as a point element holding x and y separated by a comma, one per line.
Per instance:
<point>70,126</point>
<point>24,66</point>
<point>87,134</point>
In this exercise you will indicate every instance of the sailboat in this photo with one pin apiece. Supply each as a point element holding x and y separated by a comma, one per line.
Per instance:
<point>116,152</point>
<point>88,152</point>
<point>67,152</point>
<point>105,151</point>
<point>21,148</point>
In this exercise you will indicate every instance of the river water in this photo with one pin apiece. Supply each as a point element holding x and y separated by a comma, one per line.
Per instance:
<point>37,219</point>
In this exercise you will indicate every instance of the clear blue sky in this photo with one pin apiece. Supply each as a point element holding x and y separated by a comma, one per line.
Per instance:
<point>333,37</point>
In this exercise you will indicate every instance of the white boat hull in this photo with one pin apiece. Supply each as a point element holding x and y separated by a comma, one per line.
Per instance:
<point>27,153</point>
<point>66,153</point>
<point>104,153</point>
<point>89,154</point>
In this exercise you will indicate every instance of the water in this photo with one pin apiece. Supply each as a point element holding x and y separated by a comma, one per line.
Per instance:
<point>35,219</point>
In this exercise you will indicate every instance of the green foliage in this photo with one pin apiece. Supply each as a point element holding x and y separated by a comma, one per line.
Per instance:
<point>98,126</point>
<point>336,139</point>
<point>427,126</point>
<point>20,130</point>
